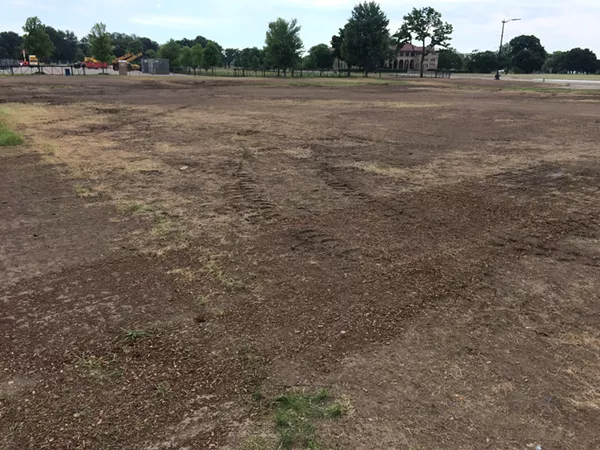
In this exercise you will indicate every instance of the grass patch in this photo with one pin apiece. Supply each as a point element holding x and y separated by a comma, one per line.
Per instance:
<point>162,389</point>
<point>258,443</point>
<point>296,414</point>
<point>8,137</point>
<point>135,335</point>
<point>135,207</point>
<point>214,270</point>
<point>162,228</point>
<point>186,274</point>
<point>98,367</point>
<point>85,192</point>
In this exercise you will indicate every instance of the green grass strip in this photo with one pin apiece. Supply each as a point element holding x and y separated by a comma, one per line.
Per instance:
<point>7,136</point>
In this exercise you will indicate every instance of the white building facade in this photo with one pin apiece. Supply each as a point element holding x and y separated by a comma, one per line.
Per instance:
<point>409,58</point>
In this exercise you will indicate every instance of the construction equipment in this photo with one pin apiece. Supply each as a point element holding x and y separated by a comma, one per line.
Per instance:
<point>128,58</point>
<point>93,63</point>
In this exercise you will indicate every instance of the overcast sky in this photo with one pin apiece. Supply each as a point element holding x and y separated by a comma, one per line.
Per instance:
<point>559,24</point>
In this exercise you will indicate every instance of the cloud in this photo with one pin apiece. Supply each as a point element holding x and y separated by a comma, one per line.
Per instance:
<point>171,21</point>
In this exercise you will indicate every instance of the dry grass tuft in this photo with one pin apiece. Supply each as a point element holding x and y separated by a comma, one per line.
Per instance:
<point>298,152</point>
<point>584,377</point>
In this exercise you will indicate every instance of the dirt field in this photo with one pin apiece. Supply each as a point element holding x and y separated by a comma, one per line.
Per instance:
<point>176,254</point>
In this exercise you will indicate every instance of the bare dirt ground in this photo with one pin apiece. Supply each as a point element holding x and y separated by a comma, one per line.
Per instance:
<point>176,253</point>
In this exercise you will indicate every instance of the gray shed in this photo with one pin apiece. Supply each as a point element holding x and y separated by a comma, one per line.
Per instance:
<point>155,66</point>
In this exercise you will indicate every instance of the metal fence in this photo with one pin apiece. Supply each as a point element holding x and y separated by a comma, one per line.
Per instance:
<point>42,70</point>
<point>241,72</point>
<point>303,73</point>
<point>417,74</point>
<point>160,67</point>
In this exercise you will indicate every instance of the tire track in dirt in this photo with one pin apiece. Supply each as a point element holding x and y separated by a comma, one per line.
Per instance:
<point>560,177</point>
<point>246,198</point>
<point>319,240</point>
<point>336,178</point>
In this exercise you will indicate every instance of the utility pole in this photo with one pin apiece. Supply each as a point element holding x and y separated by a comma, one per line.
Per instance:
<point>504,22</point>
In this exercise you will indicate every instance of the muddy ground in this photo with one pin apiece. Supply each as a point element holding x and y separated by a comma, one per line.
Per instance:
<point>176,253</point>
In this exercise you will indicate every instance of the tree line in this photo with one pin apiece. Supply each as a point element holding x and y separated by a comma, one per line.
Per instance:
<point>364,42</point>
<point>523,54</point>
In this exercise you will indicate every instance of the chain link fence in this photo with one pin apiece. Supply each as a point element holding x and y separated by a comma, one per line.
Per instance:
<point>304,73</point>
<point>16,69</point>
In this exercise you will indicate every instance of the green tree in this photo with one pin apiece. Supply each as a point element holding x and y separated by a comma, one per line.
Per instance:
<point>197,55</point>
<point>100,44</point>
<point>36,40</point>
<point>186,59</point>
<point>244,58</point>
<point>148,44</point>
<point>201,40</point>
<point>527,53</point>
<point>185,42</point>
<point>322,56</point>
<point>481,62</point>
<point>366,39</point>
<point>84,45</point>
<point>120,42</point>
<point>309,63</point>
<point>425,26</point>
<point>135,47</point>
<point>211,55</point>
<point>581,60</point>
<point>221,54</point>
<point>450,59</point>
<point>336,44</point>
<point>79,55</point>
<point>555,63</point>
<point>151,53</point>
<point>231,54</point>
<point>11,42</point>
<point>283,44</point>
<point>170,50</point>
<point>251,58</point>
<point>65,44</point>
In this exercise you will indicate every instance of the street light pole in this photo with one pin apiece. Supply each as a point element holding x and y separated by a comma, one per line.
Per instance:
<point>504,22</point>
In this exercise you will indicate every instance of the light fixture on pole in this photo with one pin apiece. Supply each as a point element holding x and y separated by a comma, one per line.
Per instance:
<point>504,22</point>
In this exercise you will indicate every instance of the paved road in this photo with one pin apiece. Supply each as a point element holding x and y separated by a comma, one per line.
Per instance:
<point>566,83</point>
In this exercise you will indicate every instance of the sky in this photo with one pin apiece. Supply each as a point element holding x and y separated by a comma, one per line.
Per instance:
<point>560,24</point>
